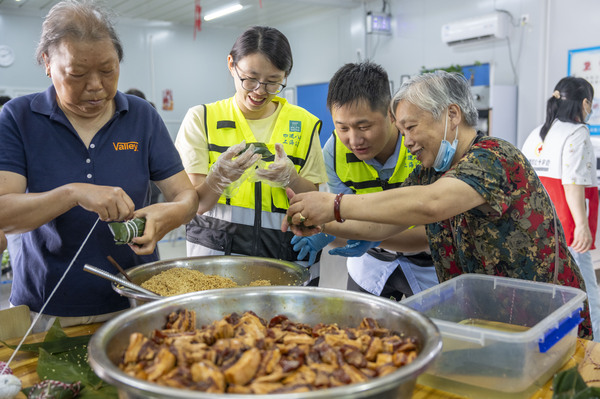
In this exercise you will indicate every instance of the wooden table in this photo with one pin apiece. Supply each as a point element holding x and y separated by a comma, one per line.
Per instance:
<point>587,356</point>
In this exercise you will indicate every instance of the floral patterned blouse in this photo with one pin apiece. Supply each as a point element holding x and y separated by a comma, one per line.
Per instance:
<point>512,235</point>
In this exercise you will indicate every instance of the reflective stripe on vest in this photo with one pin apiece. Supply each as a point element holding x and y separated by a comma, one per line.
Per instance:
<point>214,230</point>
<point>238,224</point>
<point>294,129</point>
<point>363,178</point>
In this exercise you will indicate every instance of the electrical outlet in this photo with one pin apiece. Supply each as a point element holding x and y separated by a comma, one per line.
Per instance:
<point>524,19</point>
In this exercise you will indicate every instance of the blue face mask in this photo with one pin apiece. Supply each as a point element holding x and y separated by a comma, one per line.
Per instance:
<point>446,152</point>
<point>587,117</point>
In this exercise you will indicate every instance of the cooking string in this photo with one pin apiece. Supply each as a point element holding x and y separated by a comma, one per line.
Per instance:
<point>49,297</point>
<point>132,230</point>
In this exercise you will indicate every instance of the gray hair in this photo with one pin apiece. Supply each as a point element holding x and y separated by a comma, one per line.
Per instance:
<point>81,20</point>
<point>434,92</point>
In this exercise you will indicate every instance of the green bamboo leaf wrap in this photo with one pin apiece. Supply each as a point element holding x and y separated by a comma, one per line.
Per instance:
<point>259,148</point>
<point>124,232</point>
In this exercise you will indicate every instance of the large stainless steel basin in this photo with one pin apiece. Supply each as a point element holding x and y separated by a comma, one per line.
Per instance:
<point>309,305</point>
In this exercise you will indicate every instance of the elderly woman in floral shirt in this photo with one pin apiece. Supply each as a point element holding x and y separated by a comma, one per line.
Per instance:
<point>484,208</point>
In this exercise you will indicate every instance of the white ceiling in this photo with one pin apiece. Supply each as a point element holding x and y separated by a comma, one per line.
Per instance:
<point>255,12</point>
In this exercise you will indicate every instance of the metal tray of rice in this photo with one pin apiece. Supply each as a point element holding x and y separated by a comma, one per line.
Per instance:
<point>210,272</point>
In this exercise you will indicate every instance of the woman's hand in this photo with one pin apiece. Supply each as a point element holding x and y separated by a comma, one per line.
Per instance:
<point>21,211</point>
<point>110,203</point>
<point>281,172</point>
<point>146,243</point>
<point>229,167</point>
<point>181,203</point>
<point>309,209</point>
<point>582,239</point>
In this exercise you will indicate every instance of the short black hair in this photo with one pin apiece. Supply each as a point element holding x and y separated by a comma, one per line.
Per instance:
<point>355,82</point>
<point>4,99</point>
<point>267,41</point>
<point>136,92</point>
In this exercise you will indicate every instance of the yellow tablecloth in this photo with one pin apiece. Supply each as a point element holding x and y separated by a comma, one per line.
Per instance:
<point>587,356</point>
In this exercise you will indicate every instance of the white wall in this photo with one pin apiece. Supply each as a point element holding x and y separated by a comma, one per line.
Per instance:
<point>572,25</point>
<point>24,75</point>
<point>196,71</point>
<point>416,44</point>
<point>157,57</point>
<point>539,50</point>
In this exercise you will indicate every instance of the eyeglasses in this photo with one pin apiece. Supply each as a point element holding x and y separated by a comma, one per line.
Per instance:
<point>251,84</point>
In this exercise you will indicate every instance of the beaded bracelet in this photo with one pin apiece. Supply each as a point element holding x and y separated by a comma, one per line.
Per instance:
<point>336,208</point>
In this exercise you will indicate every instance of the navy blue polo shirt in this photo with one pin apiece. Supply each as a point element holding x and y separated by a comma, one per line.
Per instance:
<point>38,142</point>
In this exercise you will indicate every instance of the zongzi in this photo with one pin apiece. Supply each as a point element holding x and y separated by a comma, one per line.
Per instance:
<point>124,232</point>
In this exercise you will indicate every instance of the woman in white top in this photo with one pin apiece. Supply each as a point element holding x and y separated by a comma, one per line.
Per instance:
<point>242,198</point>
<point>562,155</point>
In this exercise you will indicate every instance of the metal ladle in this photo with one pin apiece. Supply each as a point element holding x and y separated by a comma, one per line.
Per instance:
<point>118,280</point>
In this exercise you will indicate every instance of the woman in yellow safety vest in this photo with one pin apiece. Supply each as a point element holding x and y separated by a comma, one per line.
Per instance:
<point>242,195</point>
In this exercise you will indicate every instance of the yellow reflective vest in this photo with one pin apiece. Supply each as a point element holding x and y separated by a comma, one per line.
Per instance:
<point>241,224</point>
<point>226,126</point>
<point>363,178</point>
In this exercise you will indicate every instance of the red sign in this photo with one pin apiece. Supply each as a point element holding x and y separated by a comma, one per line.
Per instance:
<point>167,100</point>
<point>197,18</point>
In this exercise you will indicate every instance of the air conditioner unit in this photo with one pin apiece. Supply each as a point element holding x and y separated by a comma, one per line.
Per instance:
<point>490,26</point>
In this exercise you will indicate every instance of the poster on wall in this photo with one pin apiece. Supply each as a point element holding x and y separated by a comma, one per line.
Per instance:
<point>167,100</point>
<point>313,98</point>
<point>585,63</point>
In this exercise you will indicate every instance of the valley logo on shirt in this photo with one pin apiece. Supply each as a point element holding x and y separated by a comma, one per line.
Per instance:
<point>127,146</point>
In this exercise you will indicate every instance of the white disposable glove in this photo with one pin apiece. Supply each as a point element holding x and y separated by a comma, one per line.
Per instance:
<point>281,172</point>
<point>229,167</point>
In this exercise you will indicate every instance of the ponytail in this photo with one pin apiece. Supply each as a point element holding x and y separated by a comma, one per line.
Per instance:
<point>566,101</point>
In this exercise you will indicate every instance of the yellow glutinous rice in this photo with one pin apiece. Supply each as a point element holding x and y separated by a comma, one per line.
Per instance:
<point>181,280</point>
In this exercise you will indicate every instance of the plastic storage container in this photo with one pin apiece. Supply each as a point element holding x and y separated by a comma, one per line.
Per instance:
<point>502,337</point>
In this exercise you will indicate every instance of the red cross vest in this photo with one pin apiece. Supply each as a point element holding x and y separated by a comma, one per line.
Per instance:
<point>546,157</point>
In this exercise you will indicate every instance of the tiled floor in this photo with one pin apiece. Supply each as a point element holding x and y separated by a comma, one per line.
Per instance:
<point>4,291</point>
<point>596,259</point>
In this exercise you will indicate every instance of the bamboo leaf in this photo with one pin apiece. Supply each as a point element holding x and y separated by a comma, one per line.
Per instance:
<point>588,393</point>
<point>104,392</point>
<point>56,346</point>
<point>73,366</point>
<point>62,358</point>
<point>55,332</point>
<point>59,368</point>
<point>259,148</point>
<point>567,384</point>
<point>124,232</point>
